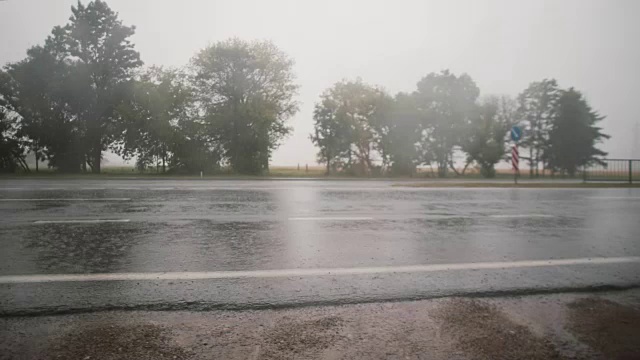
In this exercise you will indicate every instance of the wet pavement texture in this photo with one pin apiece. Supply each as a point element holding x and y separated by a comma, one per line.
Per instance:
<point>558,326</point>
<point>64,227</point>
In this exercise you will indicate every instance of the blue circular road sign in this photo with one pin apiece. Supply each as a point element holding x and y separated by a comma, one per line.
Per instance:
<point>516,133</point>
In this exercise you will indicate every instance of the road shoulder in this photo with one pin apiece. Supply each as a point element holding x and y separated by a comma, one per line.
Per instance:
<point>534,327</point>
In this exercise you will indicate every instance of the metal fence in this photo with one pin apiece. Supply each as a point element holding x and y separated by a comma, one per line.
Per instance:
<point>626,170</point>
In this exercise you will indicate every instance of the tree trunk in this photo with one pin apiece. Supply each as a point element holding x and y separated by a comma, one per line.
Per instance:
<point>464,169</point>
<point>97,158</point>
<point>36,154</point>
<point>23,163</point>
<point>328,156</point>
<point>265,162</point>
<point>442,168</point>
<point>369,165</point>
<point>443,165</point>
<point>164,159</point>
<point>89,161</point>
<point>537,161</point>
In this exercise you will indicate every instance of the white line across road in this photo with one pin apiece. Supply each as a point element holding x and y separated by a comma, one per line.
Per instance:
<point>520,216</point>
<point>82,221</point>
<point>66,199</point>
<point>614,197</point>
<point>211,275</point>
<point>352,218</point>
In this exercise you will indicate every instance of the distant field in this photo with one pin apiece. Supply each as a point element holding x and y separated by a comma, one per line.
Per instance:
<point>293,171</point>
<point>314,171</point>
<point>274,171</point>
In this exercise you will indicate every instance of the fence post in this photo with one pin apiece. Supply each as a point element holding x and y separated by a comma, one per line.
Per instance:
<point>630,172</point>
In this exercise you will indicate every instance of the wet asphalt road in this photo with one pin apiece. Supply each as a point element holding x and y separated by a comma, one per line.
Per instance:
<point>207,229</point>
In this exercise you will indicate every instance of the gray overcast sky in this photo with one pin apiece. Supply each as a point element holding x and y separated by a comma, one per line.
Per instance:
<point>503,45</point>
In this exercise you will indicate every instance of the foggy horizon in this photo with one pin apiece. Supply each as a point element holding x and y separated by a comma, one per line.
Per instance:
<point>502,45</point>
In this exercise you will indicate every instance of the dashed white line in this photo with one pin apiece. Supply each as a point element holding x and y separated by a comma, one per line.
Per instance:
<point>520,216</point>
<point>67,199</point>
<point>352,218</point>
<point>211,275</point>
<point>82,221</point>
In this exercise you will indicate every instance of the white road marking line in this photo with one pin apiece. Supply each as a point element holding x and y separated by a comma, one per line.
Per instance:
<point>82,221</point>
<point>210,275</point>
<point>520,216</point>
<point>68,199</point>
<point>614,197</point>
<point>47,189</point>
<point>354,218</point>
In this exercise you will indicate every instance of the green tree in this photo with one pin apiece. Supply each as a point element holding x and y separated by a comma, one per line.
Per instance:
<point>12,151</point>
<point>195,150</point>
<point>37,91</point>
<point>345,125</point>
<point>331,132</point>
<point>398,133</point>
<point>150,116</point>
<point>23,87</point>
<point>447,104</point>
<point>96,44</point>
<point>537,104</point>
<point>486,139</point>
<point>573,135</point>
<point>246,93</point>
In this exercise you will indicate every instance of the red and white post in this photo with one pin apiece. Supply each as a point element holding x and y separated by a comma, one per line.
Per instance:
<point>515,162</point>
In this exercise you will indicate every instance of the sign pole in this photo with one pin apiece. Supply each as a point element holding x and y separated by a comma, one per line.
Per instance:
<point>515,161</point>
<point>516,135</point>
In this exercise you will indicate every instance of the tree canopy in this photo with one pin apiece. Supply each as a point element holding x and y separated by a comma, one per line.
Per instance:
<point>246,90</point>
<point>573,134</point>
<point>486,138</point>
<point>347,125</point>
<point>537,104</point>
<point>447,103</point>
<point>84,90</point>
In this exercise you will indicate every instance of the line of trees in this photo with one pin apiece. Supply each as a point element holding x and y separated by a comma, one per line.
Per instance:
<point>361,129</point>
<point>86,91</point>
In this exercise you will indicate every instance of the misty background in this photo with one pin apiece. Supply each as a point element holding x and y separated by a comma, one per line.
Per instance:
<point>503,45</point>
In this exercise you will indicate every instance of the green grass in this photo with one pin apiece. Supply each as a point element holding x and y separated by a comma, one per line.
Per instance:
<point>424,178</point>
<point>128,172</point>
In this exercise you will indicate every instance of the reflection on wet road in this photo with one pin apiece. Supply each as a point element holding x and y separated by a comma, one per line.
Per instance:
<point>78,227</point>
